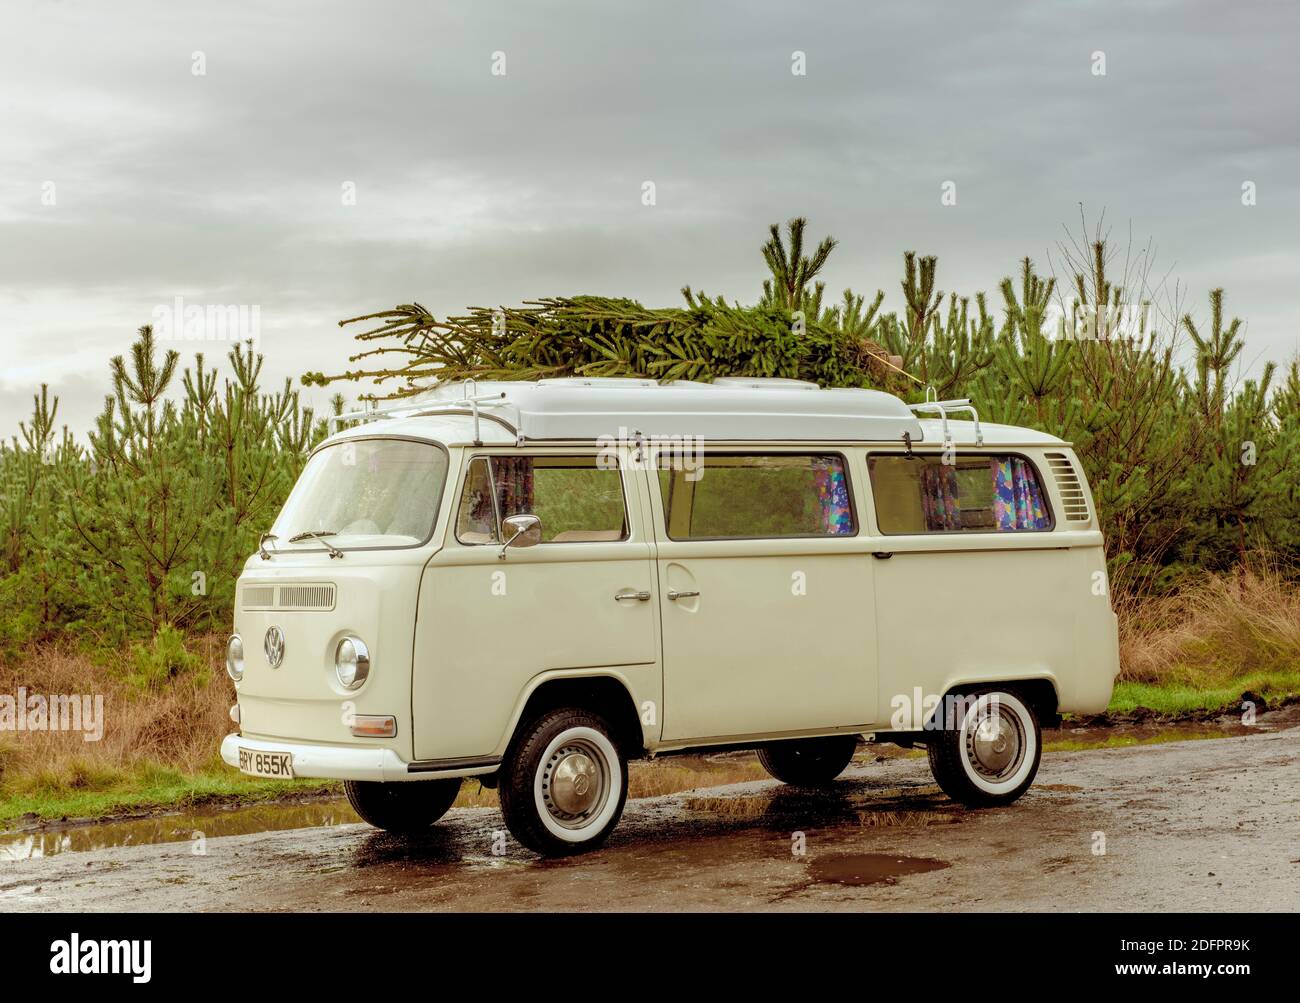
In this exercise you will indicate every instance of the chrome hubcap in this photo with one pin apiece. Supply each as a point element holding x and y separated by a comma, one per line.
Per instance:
<point>995,743</point>
<point>575,784</point>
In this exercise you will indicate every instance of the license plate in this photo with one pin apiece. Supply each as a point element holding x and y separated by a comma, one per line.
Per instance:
<point>276,765</point>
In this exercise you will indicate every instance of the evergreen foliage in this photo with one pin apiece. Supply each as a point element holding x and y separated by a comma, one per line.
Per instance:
<point>147,526</point>
<point>140,531</point>
<point>1187,470</point>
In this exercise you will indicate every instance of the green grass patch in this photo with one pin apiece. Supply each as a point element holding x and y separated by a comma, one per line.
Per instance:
<point>1177,697</point>
<point>148,788</point>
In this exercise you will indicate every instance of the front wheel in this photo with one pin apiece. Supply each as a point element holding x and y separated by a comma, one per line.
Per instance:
<point>987,749</point>
<point>563,783</point>
<point>407,807</point>
<point>808,762</point>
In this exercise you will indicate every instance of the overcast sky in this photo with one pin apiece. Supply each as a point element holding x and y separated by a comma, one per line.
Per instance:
<point>226,187</point>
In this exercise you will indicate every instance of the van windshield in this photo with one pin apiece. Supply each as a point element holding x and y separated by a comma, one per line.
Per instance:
<point>364,493</point>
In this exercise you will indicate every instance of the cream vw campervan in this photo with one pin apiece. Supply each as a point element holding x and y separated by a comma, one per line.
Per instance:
<point>532,583</point>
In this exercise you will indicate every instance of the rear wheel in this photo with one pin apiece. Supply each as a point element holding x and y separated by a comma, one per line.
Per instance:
<point>808,762</point>
<point>407,807</point>
<point>563,783</point>
<point>987,752</point>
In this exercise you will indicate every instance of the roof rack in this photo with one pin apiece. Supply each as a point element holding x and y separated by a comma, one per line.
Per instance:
<point>944,408</point>
<point>409,410</point>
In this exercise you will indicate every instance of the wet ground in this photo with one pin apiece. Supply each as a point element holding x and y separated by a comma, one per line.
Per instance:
<point>1208,824</point>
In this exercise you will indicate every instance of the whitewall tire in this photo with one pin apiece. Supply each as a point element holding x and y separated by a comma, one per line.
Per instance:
<point>564,783</point>
<point>987,753</point>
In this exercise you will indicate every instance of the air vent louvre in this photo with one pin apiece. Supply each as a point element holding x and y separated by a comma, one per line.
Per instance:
<point>306,597</point>
<point>259,596</point>
<point>289,597</point>
<point>1073,498</point>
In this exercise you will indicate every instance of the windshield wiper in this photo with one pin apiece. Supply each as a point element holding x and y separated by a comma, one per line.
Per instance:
<point>311,534</point>
<point>261,545</point>
<point>318,534</point>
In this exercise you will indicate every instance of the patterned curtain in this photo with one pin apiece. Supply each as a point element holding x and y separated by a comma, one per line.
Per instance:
<point>833,494</point>
<point>939,497</point>
<point>1017,499</point>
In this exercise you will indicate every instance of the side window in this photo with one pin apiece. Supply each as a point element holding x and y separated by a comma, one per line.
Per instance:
<point>577,500</point>
<point>977,493</point>
<point>476,520</point>
<point>744,496</point>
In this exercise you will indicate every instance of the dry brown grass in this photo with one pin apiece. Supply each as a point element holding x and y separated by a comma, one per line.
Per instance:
<point>1213,630</point>
<point>904,819</point>
<point>180,725</point>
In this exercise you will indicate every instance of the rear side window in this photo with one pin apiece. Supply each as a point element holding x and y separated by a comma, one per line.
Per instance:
<point>977,493</point>
<point>577,500</point>
<point>747,496</point>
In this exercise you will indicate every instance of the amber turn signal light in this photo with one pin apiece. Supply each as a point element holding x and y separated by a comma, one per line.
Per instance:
<point>374,726</point>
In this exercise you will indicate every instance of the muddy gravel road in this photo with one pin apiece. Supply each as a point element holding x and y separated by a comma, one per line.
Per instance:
<point>1210,824</point>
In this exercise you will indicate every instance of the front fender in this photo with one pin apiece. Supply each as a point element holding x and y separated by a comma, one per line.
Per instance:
<point>641,682</point>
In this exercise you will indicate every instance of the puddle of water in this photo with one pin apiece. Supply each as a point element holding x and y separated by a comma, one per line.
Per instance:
<point>647,779</point>
<point>652,778</point>
<point>859,869</point>
<point>850,802</point>
<point>174,828</point>
<point>669,775</point>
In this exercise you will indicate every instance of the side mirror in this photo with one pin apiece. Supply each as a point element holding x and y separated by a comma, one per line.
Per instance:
<point>520,531</point>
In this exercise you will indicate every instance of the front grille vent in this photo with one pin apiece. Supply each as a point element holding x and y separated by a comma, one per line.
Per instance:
<point>289,597</point>
<point>259,597</point>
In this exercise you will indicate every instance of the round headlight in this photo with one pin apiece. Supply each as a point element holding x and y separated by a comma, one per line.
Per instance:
<point>352,662</point>
<point>235,658</point>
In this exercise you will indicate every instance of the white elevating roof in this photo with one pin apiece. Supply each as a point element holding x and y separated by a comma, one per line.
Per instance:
<point>729,409</point>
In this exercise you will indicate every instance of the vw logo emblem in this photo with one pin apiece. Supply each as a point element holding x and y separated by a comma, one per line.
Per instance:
<point>274,646</point>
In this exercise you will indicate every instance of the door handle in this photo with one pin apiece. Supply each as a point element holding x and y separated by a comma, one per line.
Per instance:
<point>638,596</point>
<point>674,595</point>
<point>882,555</point>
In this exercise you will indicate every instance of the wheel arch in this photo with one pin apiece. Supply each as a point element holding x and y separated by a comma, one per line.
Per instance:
<point>603,693</point>
<point>1038,690</point>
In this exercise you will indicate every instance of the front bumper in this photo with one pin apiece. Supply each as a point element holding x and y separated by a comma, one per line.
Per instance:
<point>334,762</point>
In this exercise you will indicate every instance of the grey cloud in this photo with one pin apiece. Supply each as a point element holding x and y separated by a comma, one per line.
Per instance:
<point>479,189</point>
